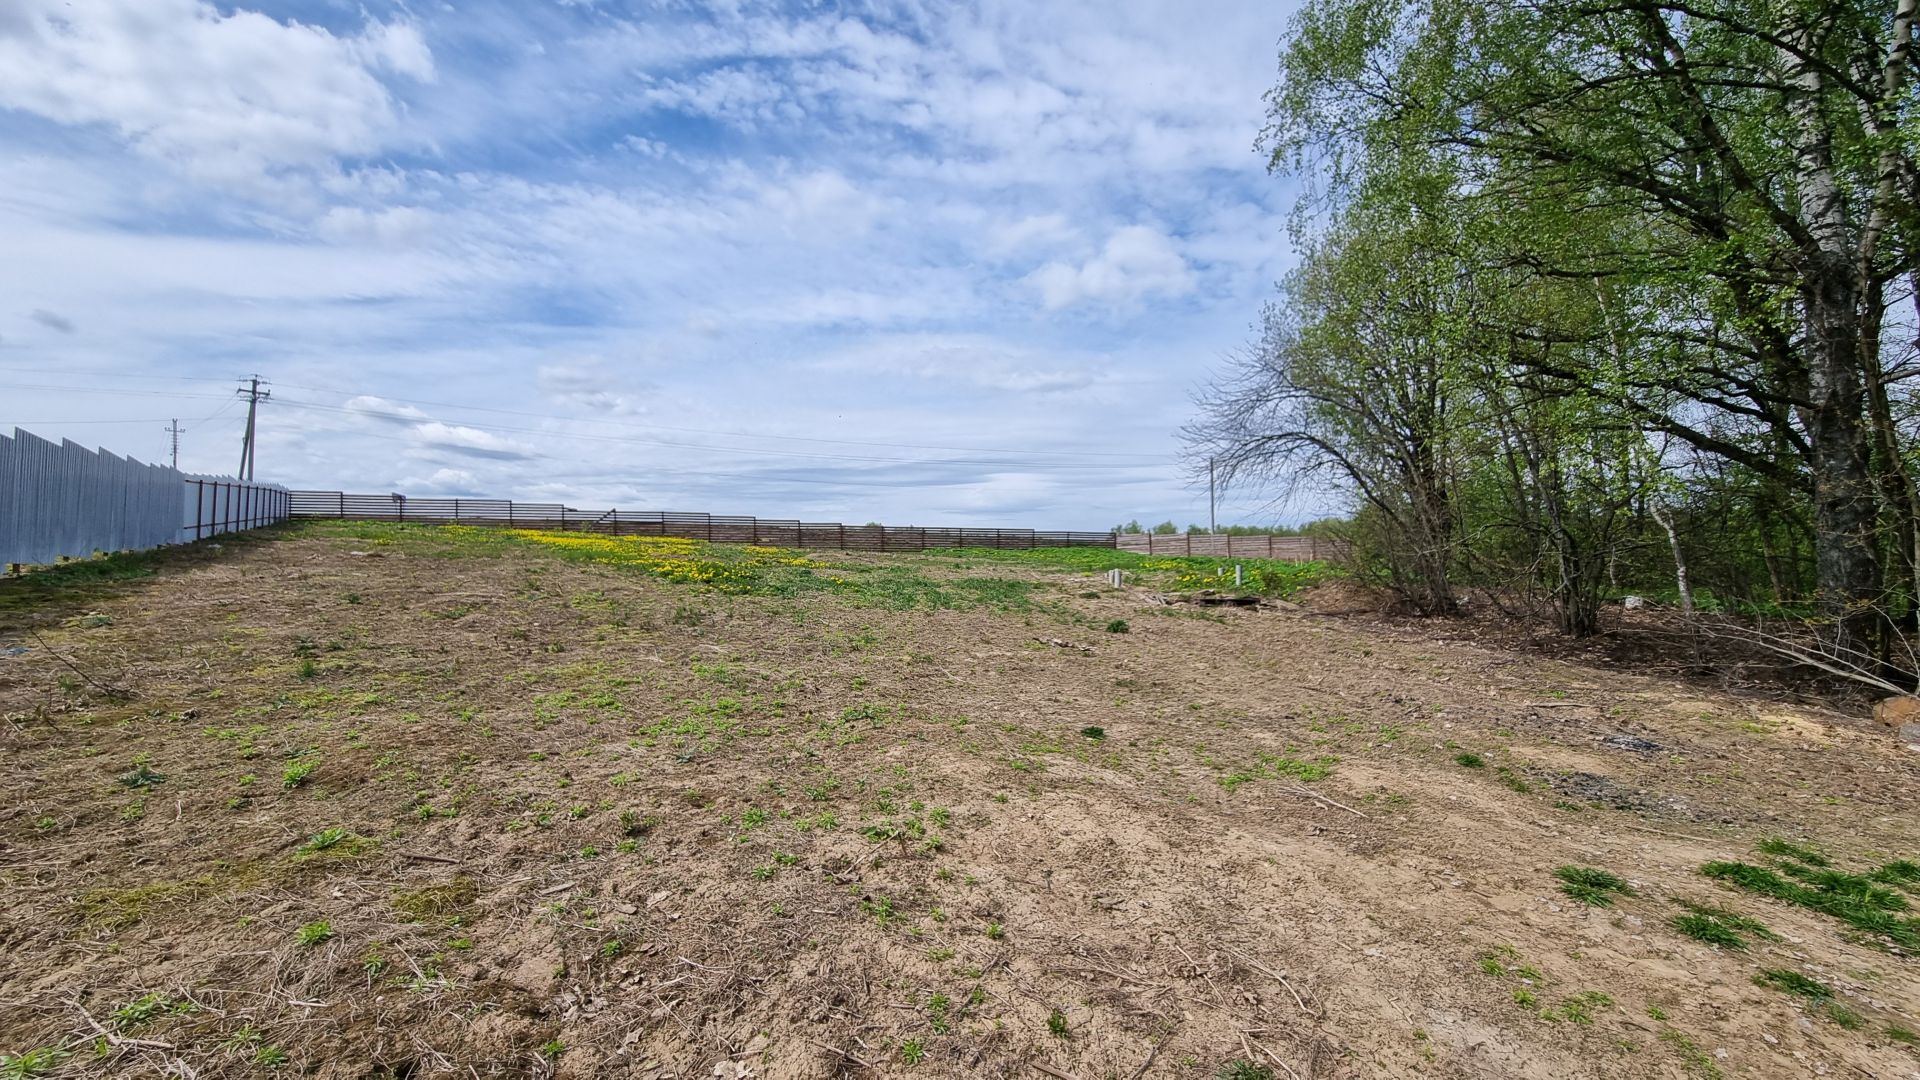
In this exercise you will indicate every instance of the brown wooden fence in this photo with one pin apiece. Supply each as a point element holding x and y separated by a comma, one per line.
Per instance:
<point>726,529</point>
<point>1288,548</point>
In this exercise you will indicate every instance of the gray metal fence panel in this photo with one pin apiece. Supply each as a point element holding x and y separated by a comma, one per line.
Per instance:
<point>66,501</point>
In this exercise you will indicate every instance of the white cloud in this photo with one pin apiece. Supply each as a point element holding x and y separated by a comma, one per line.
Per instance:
<point>225,97</point>
<point>1137,262</point>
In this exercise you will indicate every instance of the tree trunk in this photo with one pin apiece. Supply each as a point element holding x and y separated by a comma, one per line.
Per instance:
<point>1845,497</point>
<point>1679,557</point>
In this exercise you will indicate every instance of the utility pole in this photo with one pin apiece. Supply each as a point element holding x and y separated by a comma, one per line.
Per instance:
<point>1212,525</point>
<point>173,429</point>
<point>254,396</point>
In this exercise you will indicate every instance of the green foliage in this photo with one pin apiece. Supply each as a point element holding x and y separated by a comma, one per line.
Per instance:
<point>1855,899</point>
<point>1057,1025</point>
<point>1118,626</point>
<point>1469,760</point>
<point>1792,982</point>
<point>1595,888</point>
<point>1242,1069</point>
<point>31,1063</point>
<point>313,933</point>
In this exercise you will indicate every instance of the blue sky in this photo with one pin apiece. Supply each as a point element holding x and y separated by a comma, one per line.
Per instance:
<point>919,263</point>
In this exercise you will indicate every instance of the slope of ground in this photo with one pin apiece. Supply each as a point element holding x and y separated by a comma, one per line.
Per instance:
<point>355,801</point>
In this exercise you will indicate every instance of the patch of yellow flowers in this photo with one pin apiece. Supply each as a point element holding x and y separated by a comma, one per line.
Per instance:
<point>673,558</point>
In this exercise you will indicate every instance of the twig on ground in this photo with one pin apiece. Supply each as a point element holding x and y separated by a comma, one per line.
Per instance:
<point>1269,1053</point>
<point>1274,975</point>
<point>423,857</point>
<point>1051,1071</point>
<point>110,691</point>
<point>1309,793</point>
<point>1154,1053</point>
<point>848,1054</point>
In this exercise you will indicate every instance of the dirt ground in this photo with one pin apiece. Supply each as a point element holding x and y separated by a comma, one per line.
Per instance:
<point>320,804</point>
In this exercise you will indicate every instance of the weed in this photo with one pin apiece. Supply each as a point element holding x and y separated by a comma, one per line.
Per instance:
<point>1512,780</point>
<point>31,1063</point>
<point>1695,1058</point>
<point>141,776</point>
<point>336,841</point>
<point>553,1048</point>
<point>1470,760</point>
<point>308,669</point>
<point>937,1009</point>
<point>1579,1008</point>
<point>1903,1035</point>
<point>911,1052</point>
<point>149,1007</point>
<point>995,931</point>
<point>1854,899</point>
<point>611,949</point>
<point>313,933</point>
<point>296,774</point>
<point>437,901</point>
<point>1057,1025</point>
<point>1655,1012</point>
<point>1781,848</point>
<point>270,1057</point>
<point>765,873</point>
<point>1094,733</point>
<point>1792,982</point>
<point>1118,626</point>
<point>1708,929</point>
<point>1242,1069</point>
<point>1590,886</point>
<point>1845,1017</point>
<point>1718,926</point>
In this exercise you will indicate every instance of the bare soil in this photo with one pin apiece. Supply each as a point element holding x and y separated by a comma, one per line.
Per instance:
<point>597,824</point>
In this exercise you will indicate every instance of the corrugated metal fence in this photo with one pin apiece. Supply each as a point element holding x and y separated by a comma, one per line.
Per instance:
<point>1285,548</point>
<point>720,528</point>
<point>66,501</point>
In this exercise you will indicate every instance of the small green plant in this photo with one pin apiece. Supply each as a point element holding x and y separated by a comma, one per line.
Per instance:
<point>1094,733</point>
<point>553,1048</point>
<point>1057,1025</point>
<point>45,823</point>
<point>995,931</point>
<point>313,933</point>
<point>31,1063</point>
<point>330,838</point>
<point>1781,848</point>
<point>270,1057</point>
<point>1579,1008</point>
<point>1470,760</point>
<point>911,1052</point>
<point>765,873</point>
<point>296,774</point>
<point>1655,1012</point>
<point>1899,1034</point>
<point>308,669</point>
<point>1862,901</point>
<point>1242,1069</point>
<point>147,1007</point>
<point>1708,929</point>
<point>1595,888</point>
<point>937,1008</point>
<point>141,776</point>
<point>1792,982</point>
<point>1118,626</point>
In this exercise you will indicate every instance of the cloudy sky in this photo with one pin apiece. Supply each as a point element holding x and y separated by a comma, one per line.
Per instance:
<point>913,262</point>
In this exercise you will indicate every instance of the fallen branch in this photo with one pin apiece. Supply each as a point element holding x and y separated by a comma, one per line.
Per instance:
<point>1274,975</point>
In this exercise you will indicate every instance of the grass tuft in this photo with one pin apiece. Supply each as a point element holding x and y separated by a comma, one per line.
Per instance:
<point>1595,888</point>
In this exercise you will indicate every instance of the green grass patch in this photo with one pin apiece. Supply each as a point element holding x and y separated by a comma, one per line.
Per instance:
<point>1269,766</point>
<point>1862,901</point>
<point>1794,983</point>
<point>1595,888</point>
<point>1269,577</point>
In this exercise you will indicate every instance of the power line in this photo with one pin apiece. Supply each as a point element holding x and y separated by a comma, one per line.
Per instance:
<point>708,431</point>
<point>496,428</point>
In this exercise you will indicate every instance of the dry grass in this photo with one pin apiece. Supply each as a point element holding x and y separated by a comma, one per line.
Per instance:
<point>561,817</point>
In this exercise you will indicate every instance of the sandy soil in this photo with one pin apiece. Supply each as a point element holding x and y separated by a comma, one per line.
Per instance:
<point>597,824</point>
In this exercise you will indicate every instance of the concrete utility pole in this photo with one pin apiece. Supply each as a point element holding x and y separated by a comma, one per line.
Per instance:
<point>173,428</point>
<point>254,396</point>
